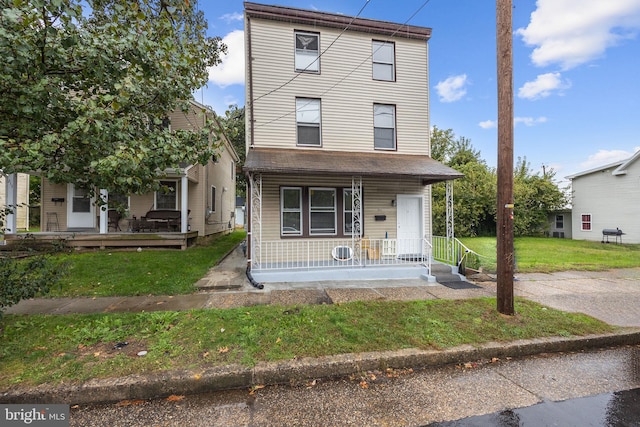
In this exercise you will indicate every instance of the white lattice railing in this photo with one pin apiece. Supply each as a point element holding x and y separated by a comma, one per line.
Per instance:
<point>335,253</point>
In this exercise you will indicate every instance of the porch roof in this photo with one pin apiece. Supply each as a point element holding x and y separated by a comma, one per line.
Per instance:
<point>384,165</point>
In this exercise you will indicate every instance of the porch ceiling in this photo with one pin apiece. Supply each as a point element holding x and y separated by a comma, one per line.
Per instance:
<point>385,165</point>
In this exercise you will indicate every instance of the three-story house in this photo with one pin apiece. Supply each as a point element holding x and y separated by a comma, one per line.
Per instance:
<point>338,153</point>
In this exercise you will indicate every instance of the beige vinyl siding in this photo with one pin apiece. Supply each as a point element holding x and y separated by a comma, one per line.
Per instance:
<point>50,191</point>
<point>22,212</point>
<point>377,197</point>
<point>345,86</point>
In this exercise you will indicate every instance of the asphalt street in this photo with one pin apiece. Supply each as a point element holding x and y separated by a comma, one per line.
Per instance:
<point>392,398</point>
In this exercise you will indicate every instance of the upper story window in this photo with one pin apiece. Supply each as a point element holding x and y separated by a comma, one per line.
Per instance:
<point>384,57</point>
<point>384,127</point>
<point>307,51</point>
<point>308,121</point>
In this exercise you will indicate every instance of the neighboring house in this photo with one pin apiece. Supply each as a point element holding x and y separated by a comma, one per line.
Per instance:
<point>607,197</point>
<point>337,140</point>
<point>560,224</point>
<point>240,212</point>
<point>22,195</point>
<point>199,201</point>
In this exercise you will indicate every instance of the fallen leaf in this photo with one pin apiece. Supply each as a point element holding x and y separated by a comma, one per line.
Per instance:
<point>223,350</point>
<point>278,340</point>
<point>372,376</point>
<point>311,383</point>
<point>130,402</point>
<point>197,376</point>
<point>175,398</point>
<point>494,360</point>
<point>363,384</point>
<point>205,354</point>
<point>255,388</point>
<point>221,329</point>
<point>96,354</point>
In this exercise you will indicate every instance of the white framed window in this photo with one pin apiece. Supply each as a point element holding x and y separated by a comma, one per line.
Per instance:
<point>384,127</point>
<point>322,211</point>
<point>585,222</point>
<point>559,222</point>
<point>308,121</point>
<point>167,196</point>
<point>307,51</point>
<point>291,211</point>
<point>384,57</point>
<point>347,211</point>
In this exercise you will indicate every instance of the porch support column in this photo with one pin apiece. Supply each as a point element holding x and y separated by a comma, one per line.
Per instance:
<point>450,235</point>
<point>184,204</point>
<point>11,202</point>
<point>255,221</point>
<point>356,219</point>
<point>104,212</point>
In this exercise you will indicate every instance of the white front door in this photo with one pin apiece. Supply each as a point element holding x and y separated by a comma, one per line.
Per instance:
<point>80,208</point>
<point>410,229</point>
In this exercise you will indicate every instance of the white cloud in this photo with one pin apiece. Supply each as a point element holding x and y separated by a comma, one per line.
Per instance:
<point>453,88</point>
<point>529,121</point>
<point>488,124</point>
<point>232,17</point>
<point>543,86</point>
<point>574,32</point>
<point>604,157</point>
<point>231,70</point>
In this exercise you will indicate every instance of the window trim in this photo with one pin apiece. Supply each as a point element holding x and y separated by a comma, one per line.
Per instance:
<point>309,124</point>
<point>374,62</point>
<point>155,195</point>
<point>212,193</point>
<point>300,211</point>
<point>316,63</point>
<point>323,209</point>
<point>584,222</point>
<point>394,128</point>
<point>561,222</point>
<point>304,225</point>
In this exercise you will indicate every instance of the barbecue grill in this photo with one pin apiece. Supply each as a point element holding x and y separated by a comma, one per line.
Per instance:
<point>616,232</point>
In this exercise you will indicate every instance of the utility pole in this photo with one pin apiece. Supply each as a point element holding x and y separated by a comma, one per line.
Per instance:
<point>505,253</point>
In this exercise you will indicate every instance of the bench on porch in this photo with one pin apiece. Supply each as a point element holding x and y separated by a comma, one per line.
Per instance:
<point>158,220</point>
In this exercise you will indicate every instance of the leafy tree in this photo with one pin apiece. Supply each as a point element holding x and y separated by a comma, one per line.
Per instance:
<point>534,196</point>
<point>233,126</point>
<point>87,85</point>
<point>474,195</point>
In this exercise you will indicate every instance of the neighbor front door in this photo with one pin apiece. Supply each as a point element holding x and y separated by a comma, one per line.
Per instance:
<point>80,208</point>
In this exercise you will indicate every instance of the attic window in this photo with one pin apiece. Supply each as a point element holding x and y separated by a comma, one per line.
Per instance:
<point>307,53</point>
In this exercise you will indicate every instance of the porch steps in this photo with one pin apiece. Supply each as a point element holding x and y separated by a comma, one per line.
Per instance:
<point>444,273</point>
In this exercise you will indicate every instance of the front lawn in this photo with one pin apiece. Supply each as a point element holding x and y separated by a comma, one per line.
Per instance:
<point>39,349</point>
<point>539,254</point>
<point>148,272</point>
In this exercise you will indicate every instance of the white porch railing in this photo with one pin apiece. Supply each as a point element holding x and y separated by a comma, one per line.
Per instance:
<point>342,253</point>
<point>450,251</point>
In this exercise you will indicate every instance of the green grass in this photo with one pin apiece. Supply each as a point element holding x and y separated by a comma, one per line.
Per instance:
<point>539,254</point>
<point>74,348</point>
<point>149,272</point>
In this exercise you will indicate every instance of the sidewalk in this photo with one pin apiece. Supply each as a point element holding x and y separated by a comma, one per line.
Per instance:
<point>612,296</point>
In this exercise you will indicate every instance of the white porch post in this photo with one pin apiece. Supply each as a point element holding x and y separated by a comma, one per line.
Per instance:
<point>184,204</point>
<point>255,188</point>
<point>450,235</point>
<point>356,219</point>
<point>11,186</point>
<point>104,212</point>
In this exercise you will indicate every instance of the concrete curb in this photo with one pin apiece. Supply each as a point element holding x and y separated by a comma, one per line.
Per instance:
<point>297,371</point>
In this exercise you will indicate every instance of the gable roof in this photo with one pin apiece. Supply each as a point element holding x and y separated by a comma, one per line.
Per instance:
<point>620,167</point>
<point>340,163</point>
<point>334,20</point>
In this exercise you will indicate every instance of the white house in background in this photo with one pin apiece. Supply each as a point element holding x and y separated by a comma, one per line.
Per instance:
<point>560,224</point>
<point>607,197</point>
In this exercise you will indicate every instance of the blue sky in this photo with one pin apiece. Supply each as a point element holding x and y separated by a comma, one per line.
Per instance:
<point>576,72</point>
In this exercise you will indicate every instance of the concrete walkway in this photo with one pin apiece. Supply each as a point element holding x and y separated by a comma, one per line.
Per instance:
<point>612,296</point>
